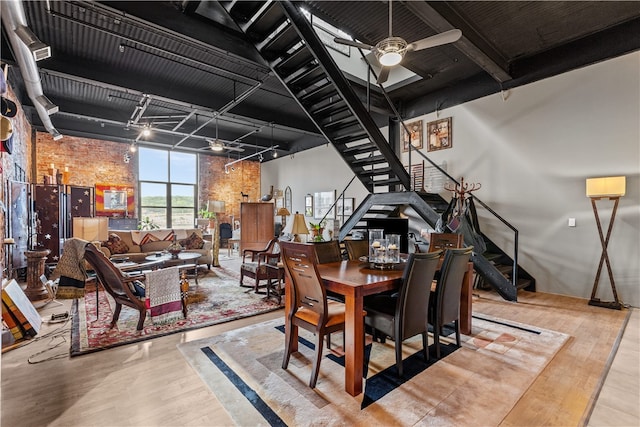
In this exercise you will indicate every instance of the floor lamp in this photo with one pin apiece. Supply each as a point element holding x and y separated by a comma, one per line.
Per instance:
<point>611,188</point>
<point>217,207</point>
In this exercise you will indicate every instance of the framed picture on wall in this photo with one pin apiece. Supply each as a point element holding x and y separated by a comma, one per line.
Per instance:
<point>439,134</point>
<point>322,203</point>
<point>344,207</point>
<point>114,200</point>
<point>308,205</point>
<point>414,137</point>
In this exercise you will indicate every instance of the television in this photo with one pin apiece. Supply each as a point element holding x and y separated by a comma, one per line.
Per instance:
<point>393,226</point>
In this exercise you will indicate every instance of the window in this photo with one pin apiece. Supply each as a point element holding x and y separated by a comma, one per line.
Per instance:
<point>168,190</point>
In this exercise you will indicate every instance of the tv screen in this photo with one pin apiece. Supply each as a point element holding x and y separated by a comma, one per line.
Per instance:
<point>393,226</point>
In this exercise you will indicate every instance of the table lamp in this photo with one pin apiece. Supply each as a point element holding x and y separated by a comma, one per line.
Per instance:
<point>217,207</point>
<point>611,188</point>
<point>284,213</point>
<point>299,226</point>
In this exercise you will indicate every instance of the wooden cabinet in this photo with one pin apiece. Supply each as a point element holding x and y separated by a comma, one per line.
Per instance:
<point>256,225</point>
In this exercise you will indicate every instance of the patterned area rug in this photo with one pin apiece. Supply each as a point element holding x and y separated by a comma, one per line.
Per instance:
<point>216,299</point>
<point>476,384</point>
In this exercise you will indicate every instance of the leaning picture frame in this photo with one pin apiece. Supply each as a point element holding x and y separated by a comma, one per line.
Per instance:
<point>323,205</point>
<point>308,205</point>
<point>344,206</point>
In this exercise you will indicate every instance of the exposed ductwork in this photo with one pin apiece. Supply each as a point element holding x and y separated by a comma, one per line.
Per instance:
<point>13,17</point>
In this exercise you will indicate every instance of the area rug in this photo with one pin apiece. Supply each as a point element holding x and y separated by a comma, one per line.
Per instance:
<point>217,298</point>
<point>476,384</point>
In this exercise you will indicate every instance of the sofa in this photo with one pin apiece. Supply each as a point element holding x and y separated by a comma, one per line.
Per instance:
<point>136,245</point>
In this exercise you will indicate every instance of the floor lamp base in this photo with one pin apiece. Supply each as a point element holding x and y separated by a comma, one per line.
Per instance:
<point>614,305</point>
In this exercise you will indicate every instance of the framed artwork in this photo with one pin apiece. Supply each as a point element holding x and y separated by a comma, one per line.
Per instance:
<point>344,207</point>
<point>439,134</point>
<point>287,199</point>
<point>322,203</point>
<point>308,205</point>
<point>114,200</point>
<point>414,137</point>
<point>279,203</point>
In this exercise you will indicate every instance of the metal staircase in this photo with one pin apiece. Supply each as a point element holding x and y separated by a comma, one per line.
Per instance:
<point>286,40</point>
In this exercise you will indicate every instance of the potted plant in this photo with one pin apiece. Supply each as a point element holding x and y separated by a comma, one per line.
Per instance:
<point>206,214</point>
<point>317,230</point>
<point>147,224</point>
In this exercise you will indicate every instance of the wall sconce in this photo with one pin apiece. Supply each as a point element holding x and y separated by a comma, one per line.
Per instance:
<point>46,103</point>
<point>38,49</point>
<point>611,188</point>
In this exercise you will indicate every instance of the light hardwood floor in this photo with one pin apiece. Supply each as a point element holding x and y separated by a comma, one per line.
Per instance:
<point>150,384</point>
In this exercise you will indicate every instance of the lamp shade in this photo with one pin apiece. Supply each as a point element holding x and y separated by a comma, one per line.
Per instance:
<point>611,186</point>
<point>283,212</point>
<point>216,206</point>
<point>299,225</point>
<point>91,229</point>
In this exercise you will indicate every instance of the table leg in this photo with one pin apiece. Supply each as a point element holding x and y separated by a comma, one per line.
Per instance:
<point>354,345</point>
<point>465,301</point>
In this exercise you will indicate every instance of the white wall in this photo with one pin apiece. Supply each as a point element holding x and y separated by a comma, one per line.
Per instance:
<point>532,148</point>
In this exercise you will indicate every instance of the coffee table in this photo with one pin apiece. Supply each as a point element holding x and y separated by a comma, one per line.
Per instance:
<point>185,260</point>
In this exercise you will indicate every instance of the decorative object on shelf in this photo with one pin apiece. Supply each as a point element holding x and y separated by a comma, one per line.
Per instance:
<point>299,227</point>
<point>323,204</point>
<point>174,248</point>
<point>267,197</point>
<point>611,188</point>
<point>114,200</point>
<point>147,223</point>
<point>317,230</point>
<point>439,134</point>
<point>284,213</point>
<point>413,137</point>
<point>308,205</point>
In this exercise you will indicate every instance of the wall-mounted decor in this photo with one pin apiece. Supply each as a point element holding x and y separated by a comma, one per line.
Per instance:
<point>114,200</point>
<point>414,137</point>
<point>322,203</point>
<point>287,199</point>
<point>439,134</point>
<point>279,202</point>
<point>346,208</point>
<point>308,205</point>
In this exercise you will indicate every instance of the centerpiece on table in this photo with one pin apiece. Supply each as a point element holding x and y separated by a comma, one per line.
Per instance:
<point>174,248</point>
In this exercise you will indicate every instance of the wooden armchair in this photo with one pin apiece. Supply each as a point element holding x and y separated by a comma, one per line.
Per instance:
<point>117,283</point>
<point>256,268</point>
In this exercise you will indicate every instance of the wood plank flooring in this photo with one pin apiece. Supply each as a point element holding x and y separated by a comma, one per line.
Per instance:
<point>150,384</point>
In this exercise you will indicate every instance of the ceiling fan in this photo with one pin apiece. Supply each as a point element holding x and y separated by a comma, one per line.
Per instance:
<point>390,51</point>
<point>219,145</point>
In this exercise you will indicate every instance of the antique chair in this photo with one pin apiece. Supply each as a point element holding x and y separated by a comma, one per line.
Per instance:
<point>226,233</point>
<point>116,283</point>
<point>405,314</point>
<point>442,241</point>
<point>256,268</point>
<point>310,308</point>
<point>328,251</point>
<point>445,302</point>
<point>357,248</point>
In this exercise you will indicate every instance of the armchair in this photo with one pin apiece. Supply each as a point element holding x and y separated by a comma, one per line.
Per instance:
<point>256,268</point>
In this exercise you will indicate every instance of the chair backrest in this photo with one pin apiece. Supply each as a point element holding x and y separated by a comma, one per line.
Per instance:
<point>443,241</point>
<point>413,302</point>
<point>328,252</point>
<point>225,230</point>
<point>357,248</point>
<point>108,274</point>
<point>449,286</point>
<point>299,260</point>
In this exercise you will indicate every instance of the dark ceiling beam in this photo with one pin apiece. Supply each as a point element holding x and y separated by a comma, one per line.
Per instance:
<point>441,17</point>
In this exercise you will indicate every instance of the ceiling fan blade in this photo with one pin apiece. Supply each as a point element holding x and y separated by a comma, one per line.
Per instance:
<point>384,75</point>
<point>437,40</point>
<point>230,148</point>
<point>352,43</point>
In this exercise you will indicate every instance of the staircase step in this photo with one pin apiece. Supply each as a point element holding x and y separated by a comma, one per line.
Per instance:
<point>288,63</point>
<point>279,42</point>
<point>306,77</point>
<point>316,95</point>
<point>354,150</point>
<point>262,25</point>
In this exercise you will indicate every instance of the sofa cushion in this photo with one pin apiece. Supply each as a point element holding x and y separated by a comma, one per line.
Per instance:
<point>192,242</point>
<point>116,245</point>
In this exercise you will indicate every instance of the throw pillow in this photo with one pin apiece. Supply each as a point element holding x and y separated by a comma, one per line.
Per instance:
<point>192,242</point>
<point>115,245</point>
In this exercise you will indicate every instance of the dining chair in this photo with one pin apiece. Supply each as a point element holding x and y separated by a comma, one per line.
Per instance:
<point>117,284</point>
<point>406,313</point>
<point>328,251</point>
<point>443,241</point>
<point>310,308</point>
<point>445,303</point>
<point>357,248</point>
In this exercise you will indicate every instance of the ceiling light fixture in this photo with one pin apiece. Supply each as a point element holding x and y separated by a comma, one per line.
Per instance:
<point>133,147</point>
<point>259,153</point>
<point>216,145</point>
<point>390,51</point>
<point>38,49</point>
<point>146,131</point>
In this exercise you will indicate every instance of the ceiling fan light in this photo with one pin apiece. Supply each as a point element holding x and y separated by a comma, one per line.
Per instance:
<point>216,146</point>
<point>390,51</point>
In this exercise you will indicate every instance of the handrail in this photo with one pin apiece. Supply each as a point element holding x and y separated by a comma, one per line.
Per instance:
<point>338,198</point>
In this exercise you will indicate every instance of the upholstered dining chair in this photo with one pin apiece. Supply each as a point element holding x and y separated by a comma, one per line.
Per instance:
<point>328,251</point>
<point>443,241</point>
<point>357,248</point>
<point>116,283</point>
<point>445,302</point>
<point>405,314</point>
<point>254,263</point>
<point>310,308</point>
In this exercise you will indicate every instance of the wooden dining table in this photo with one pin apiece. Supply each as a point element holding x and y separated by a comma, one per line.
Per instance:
<point>355,280</point>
